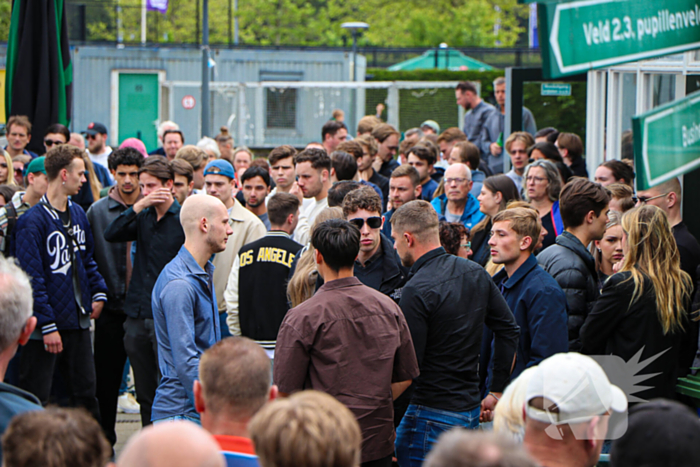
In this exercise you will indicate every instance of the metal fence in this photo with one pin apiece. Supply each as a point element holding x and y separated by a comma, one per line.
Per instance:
<point>267,114</point>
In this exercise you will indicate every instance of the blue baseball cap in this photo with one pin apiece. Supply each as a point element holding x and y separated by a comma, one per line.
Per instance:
<point>220,167</point>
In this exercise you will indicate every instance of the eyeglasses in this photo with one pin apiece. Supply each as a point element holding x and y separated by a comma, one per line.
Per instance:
<point>19,171</point>
<point>645,200</point>
<point>372,222</point>
<point>90,136</point>
<point>466,246</point>
<point>458,181</point>
<point>532,178</point>
<point>50,142</point>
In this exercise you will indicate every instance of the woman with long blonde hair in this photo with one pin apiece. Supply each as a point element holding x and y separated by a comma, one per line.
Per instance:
<point>305,279</point>
<point>6,169</point>
<point>642,313</point>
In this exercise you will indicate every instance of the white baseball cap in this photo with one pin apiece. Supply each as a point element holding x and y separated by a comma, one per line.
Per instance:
<point>578,387</point>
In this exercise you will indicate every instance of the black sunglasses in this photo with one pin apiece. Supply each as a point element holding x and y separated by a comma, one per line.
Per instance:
<point>373,222</point>
<point>50,142</point>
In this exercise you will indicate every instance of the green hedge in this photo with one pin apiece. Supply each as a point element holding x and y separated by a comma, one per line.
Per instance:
<point>485,77</point>
<point>567,113</point>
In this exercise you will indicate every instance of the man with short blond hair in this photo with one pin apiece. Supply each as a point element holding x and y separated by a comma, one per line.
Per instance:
<point>234,384</point>
<point>536,300</point>
<point>309,428</point>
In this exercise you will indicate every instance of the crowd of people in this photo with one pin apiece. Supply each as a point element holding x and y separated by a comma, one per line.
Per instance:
<point>367,300</point>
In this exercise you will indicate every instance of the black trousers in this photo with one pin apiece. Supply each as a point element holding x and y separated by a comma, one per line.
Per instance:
<point>75,364</point>
<point>110,357</point>
<point>142,348</point>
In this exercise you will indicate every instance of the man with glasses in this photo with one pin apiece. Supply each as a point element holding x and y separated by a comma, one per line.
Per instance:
<point>516,146</point>
<point>377,264</point>
<point>667,196</point>
<point>96,136</point>
<point>457,204</point>
<point>56,134</point>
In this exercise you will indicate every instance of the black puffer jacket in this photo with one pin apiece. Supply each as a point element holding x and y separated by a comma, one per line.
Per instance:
<point>573,267</point>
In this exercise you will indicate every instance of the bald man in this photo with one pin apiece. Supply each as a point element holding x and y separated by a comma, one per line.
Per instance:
<point>185,313</point>
<point>176,444</point>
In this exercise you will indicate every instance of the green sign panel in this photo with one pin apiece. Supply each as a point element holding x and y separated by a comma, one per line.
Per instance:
<point>578,36</point>
<point>555,89</point>
<point>667,141</point>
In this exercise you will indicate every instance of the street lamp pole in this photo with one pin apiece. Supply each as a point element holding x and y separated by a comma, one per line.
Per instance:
<point>355,29</point>
<point>205,68</point>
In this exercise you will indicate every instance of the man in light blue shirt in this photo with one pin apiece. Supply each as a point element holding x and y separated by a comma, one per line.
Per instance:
<point>185,312</point>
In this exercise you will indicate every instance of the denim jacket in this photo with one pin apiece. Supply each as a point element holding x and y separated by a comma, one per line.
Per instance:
<point>186,319</point>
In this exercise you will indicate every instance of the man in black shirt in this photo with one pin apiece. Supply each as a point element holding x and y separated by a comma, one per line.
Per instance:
<point>446,302</point>
<point>154,223</point>
<point>377,265</point>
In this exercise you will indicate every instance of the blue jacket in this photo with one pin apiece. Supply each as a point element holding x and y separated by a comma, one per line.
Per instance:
<point>471,215</point>
<point>186,319</point>
<point>386,228</point>
<point>539,306</point>
<point>42,251</point>
<point>428,188</point>
<point>14,401</point>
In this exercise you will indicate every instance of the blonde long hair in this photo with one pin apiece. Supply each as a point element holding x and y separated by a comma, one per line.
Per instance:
<point>10,169</point>
<point>653,253</point>
<point>302,285</point>
<point>95,185</point>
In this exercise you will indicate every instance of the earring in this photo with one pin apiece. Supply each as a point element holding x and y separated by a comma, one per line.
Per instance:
<point>64,182</point>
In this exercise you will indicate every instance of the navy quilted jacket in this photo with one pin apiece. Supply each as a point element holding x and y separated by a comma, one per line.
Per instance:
<point>42,251</point>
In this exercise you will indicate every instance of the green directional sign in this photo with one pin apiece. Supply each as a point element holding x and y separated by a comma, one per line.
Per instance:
<point>581,35</point>
<point>667,141</point>
<point>555,89</point>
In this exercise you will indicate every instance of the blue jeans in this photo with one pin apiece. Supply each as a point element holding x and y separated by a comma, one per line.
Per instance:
<point>420,428</point>
<point>175,418</point>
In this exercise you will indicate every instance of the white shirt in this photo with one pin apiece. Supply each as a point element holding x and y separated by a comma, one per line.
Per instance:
<point>306,219</point>
<point>101,158</point>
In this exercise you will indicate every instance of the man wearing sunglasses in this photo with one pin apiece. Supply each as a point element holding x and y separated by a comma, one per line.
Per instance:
<point>96,136</point>
<point>667,196</point>
<point>377,265</point>
<point>56,135</point>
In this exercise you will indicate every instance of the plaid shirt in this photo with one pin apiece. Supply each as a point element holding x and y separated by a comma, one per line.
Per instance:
<point>21,207</point>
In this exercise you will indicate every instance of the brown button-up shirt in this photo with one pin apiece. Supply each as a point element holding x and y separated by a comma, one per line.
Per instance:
<point>351,342</point>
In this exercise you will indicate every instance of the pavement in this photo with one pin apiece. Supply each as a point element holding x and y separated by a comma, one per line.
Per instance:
<point>127,426</point>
